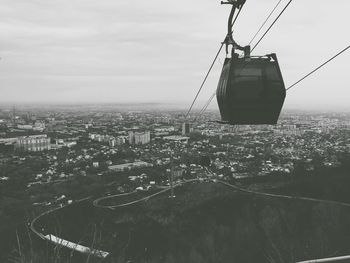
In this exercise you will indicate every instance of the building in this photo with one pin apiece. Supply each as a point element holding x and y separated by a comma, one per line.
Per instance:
<point>112,142</point>
<point>120,140</point>
<point>39,126</point>
<point>186,128</point>
<point>176,138</point>
<point>177,172</point>
<point>33,143</point>
<point>139,138</point>
<point>129,166</point>
<point>8,140</point>
<point>25,126</point>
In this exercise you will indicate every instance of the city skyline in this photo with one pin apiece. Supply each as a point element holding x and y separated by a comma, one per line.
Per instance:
<point>116,52</point>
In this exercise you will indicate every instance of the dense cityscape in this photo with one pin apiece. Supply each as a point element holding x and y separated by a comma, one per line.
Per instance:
<point>75,143</point>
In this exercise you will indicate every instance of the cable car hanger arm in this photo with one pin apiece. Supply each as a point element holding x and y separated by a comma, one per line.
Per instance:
<point>236,4</point>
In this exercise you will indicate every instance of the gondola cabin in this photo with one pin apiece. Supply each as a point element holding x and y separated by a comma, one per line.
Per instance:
<point>250,90</point>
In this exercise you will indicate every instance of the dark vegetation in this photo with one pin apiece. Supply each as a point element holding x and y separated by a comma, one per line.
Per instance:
<point>209,223</point>
<point>323,183</point>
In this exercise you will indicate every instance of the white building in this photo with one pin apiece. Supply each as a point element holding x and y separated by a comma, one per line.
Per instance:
<point>176,138</point>
<point>186,128</point>
<point>129,166</point>
<point>139,138</point>
<point>34,143</point>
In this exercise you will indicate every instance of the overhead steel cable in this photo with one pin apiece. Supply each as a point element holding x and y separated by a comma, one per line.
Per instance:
<point>205,79</point>
<point>210,68</point>
<point>264,23</point>
<point>319,67</point>
<point>209,101</point>
<point>261,38</point>
<point>239,11</point>
<point>207,104</point>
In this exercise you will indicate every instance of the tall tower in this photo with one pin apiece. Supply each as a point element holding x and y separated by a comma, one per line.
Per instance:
<point>171,182</point>
<point>131,137</point>
<point>186,128</point>
<point>14,115</point>
<point>171,177</point>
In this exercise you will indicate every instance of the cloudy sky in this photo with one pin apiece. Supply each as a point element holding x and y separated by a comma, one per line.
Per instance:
<point>159,51</point>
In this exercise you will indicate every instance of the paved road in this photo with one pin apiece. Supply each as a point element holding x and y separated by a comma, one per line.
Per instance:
<point>40,233</point>
<point>283,196</point>
<point>96,202</point>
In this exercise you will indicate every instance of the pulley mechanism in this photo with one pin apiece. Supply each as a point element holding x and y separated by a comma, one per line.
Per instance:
<point>229,41</point>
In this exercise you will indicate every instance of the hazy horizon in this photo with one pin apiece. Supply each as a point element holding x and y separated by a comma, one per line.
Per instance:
<point>154,106</point>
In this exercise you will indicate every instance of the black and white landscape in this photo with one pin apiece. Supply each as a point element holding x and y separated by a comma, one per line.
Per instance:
<point>174,131</point>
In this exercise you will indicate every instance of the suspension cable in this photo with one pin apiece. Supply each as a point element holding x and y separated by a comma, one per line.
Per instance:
<point>210,68</point>
<point>203,82</point>
<point>264,23</point>
<point>207,104</point>
<point>239,11</point>
<point>322,65</point>
<point>261,38</point>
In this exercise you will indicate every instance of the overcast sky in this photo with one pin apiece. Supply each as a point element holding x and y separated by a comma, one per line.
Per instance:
<point>159,51</point>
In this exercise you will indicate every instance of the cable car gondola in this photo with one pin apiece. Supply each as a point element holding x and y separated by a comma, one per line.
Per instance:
<point>250,89</point>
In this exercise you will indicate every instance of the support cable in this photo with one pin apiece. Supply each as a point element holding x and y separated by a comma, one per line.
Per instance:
<point>264,23</point>
<point>206,104</point>
<point>210,68</point>
<point>205,79</point>
<point>319,67</point>
<point>239,11</point>
<point>261,38</point>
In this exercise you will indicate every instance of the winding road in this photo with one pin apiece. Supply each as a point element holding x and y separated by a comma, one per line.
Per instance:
<point>97,201</point>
